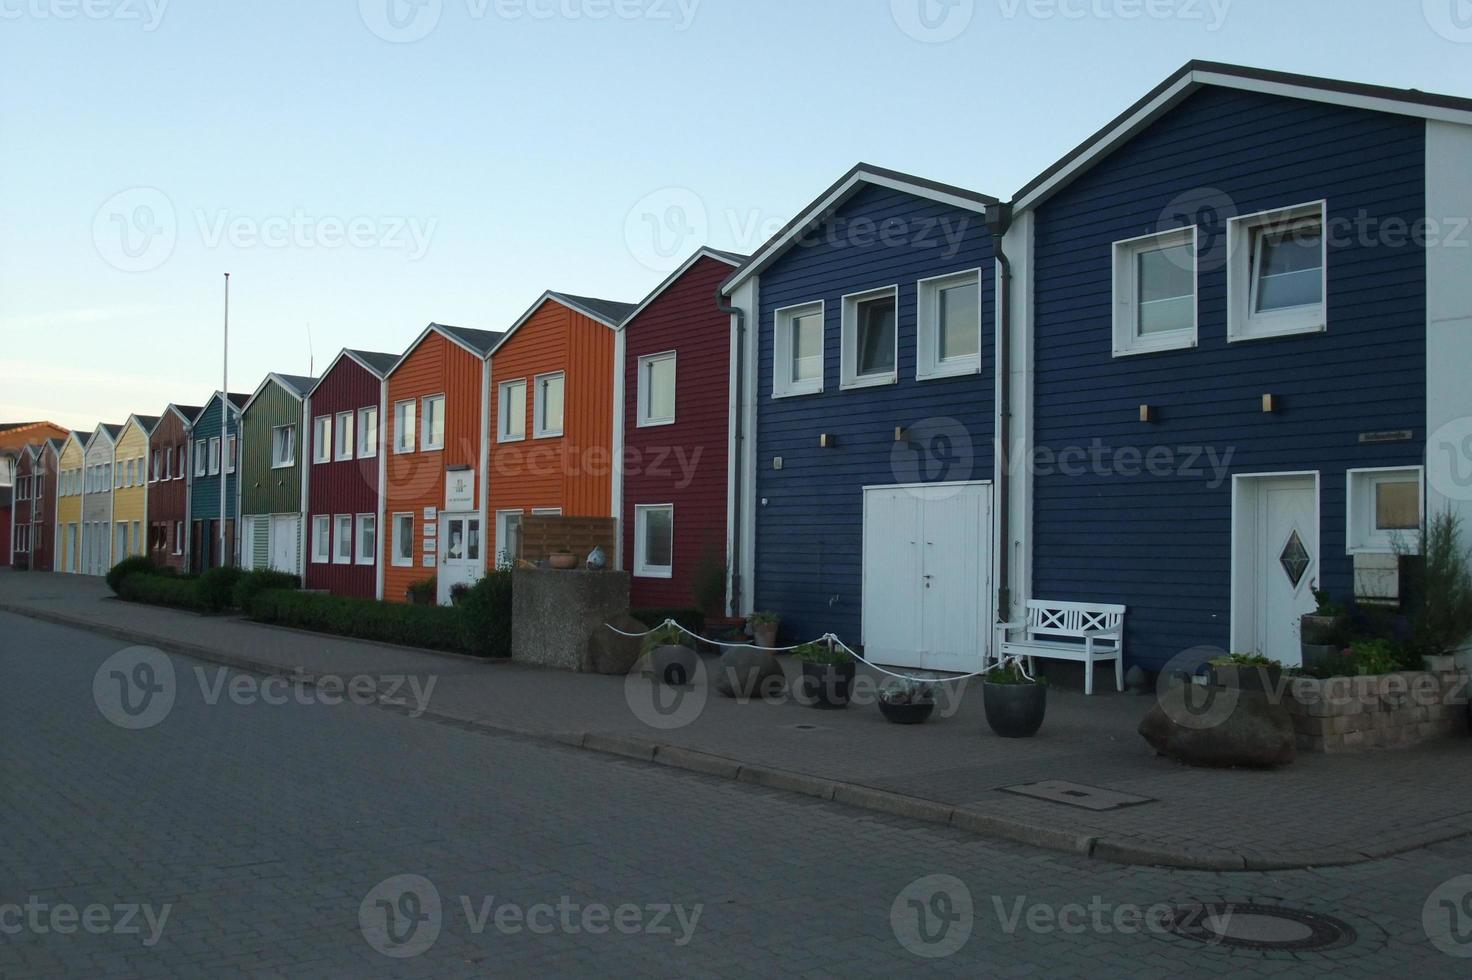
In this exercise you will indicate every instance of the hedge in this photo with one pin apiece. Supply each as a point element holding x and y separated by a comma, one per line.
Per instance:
<point>432,627</point>
<point>485,614</point>
<point>217,587</point>
<point>137,565</point>
<point>161,590</point>
<point>252,583</point>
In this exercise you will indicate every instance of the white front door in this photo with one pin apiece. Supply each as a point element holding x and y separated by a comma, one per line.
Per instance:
<point>460,553</point>
<point>927,575</point>
<point>1277,561</point>
<point>284,543</point>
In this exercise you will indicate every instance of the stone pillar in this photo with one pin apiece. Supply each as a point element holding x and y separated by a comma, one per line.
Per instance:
<point>555,613</point>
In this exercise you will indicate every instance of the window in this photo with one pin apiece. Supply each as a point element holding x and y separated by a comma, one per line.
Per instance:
<point>158,465</point>
<point>508,536</point>
<point>367,432</point>
<point>342,534</point>
<point>797,363</point>
<point>657,389</point>
<point>948,342</point>
<point>182,454</point>
<point>230,454</point>
<point>367,539</point>
<point>404,427</point>
<point>322,439</point>
<point>1155,293</point>
<point>1384,514</point>
<point>178,537</point>
<point>513,411</point>
<point>1277,273</point>
<point>283,446</point>
<point>550,388</point>
<point>115,474</point>
<point>343,436</point>
<point>321,533</point>
<point>433,434</point>
<point>214,455</point>
<point>404,540</point>
<point>38,488</point>
<point>870,337</point>
<point>654,536</point>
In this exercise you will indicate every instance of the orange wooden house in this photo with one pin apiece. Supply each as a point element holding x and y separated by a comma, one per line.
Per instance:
<point>433,503</point>
<point>551,418</point>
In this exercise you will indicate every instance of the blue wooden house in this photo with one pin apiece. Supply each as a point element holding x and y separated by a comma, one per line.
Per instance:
<point>862,488</point>
<point>1243,319</point>
<point>211,460</point>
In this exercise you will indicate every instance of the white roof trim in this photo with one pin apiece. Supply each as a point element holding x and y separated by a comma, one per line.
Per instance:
<point>348,353</point>
<point>432,328</point>
<point>550,296</point>
<point>272,378</point>
<point>704,252</point>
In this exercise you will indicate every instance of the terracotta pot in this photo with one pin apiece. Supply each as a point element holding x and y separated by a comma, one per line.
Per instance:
<point>765,634</point>
<point>563,561</point>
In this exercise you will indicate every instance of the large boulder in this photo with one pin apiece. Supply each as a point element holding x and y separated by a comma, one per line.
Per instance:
<point>1247,729</point>
<point>746,672</point>
<point>611,653</point>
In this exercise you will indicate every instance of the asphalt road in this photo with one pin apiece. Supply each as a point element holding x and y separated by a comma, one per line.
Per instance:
<point>162,817</point>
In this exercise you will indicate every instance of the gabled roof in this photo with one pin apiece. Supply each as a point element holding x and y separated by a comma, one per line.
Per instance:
<point>187,413</point>
<point>237,403</point>
<point>294,385</point>
<point>477,342</point>
<point>76,435</point>
<point>56,444</point>
<point>374,362</point>
<point>861,176</point>
<point>145,422</point>
<point>107,430</point>
<point>705,252</point>
<point>1196,75</point>
<point>608,312</point>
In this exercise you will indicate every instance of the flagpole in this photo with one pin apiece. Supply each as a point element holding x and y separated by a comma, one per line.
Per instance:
<point>224,418</point>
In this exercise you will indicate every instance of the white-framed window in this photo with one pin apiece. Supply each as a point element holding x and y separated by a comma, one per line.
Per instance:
<point>1277,273</point>
<point>322,439</point>
<point>116,476</point>
<point>433,430</point>
<point>549,392</point>
<point>168,470</point>
<point>342,539</point>
<point>1155,292</point>
<point>404,426</point>
<point>230,450</point>
<point>107,477</point>
<point>404,540</point>
<point>870,337</point>
<point>654,540</point>
<point>657,389</point>
<point>367,536</point>
<point>183,452</point>
<point>343,436</point>
<point>512,411</point>
<point>1385,510</point>
<point>321,539</point>
<point>178,537</point>
<point>283,446</point>
<point>158,465</point>
<point>508,536</point>
<point>948,334</point>
<point>368,432</point>
<point>797,349</point>
<point>214,455</point>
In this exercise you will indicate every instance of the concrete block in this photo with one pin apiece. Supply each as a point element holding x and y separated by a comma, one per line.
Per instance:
<point>555,614</point>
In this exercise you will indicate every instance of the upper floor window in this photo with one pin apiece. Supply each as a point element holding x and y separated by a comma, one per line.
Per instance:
<point>797,349</point>
<point>1277,273</point>
<point>549,398</point>
<point>404,427</point>
<point>870,337</point>
<point>283,445</point>
<point>433,435</point>
<point>183,447</point>
<point>214,455</point>
<point>322,439</point>
<point>1385,510</point>
<point>1155,292</point>
<point>657,389</point>
<point>368,432</point>
<point>158,464</point>
<point>230,454</point>
<point>512,411</point>
<point>343,447</point>
<point>948,339</point>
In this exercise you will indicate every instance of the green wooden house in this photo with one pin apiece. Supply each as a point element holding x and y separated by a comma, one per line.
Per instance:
<point>272,484</point>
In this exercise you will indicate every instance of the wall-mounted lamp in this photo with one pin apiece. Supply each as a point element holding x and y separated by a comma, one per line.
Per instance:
<point>1271,403</point>
<point>827,441</point>
<point>1149,413</point>
<point>900,432</point>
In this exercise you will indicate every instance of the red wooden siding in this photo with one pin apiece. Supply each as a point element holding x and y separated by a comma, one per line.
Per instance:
<point>346,487</point>
<point>684,463</point>
<point>167,499</point>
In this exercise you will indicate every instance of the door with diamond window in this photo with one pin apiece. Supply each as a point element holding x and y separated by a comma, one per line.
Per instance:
<point>1284,539</point>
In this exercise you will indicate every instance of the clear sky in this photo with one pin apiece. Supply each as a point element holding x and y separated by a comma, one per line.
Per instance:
<point>362,167</point>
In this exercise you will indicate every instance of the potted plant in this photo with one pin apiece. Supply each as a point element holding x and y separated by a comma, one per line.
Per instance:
<point>1321,631</point>
<point>1247,672</point>
<point>1443,623</point>
<point>764,628</point>
<point>423,592</point>
<point>827,674</point>
<point>1015,703</point>
<point>907,702</point>
<point>668,658</point>
<point>562,560</point>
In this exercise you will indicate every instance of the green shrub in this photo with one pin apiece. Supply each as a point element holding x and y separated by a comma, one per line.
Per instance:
<point>161,590</point>
<point>692,619</point>
<point>217,588</point>
<point>1443,622</point>
<point>485,615</point>
<point>432,627</point>
<point>130,566</point>
<point>821,653</point>
<point>251,583</point>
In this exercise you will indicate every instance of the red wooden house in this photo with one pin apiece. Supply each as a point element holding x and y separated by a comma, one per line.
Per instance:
<point>672,396</point>
<point>33,538</point>
<point>169,478</point>
<point>343,459</point>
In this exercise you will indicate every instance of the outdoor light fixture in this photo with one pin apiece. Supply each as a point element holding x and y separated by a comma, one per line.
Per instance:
<point>1269,403</point>
<point>1148,413</point>
<point>827,441</point>
<point>899,433</point>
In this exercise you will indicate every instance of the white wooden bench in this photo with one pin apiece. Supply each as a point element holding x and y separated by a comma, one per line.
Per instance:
<point>1086,632</point>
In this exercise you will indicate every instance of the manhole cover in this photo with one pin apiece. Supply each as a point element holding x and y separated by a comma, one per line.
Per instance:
<point>1077,794</point>
<point>1260,927</point>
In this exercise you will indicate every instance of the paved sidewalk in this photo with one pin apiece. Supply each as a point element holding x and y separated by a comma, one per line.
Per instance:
<point>1323,810</point>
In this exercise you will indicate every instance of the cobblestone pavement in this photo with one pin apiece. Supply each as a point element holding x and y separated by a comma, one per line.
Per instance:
<point>235,836</point>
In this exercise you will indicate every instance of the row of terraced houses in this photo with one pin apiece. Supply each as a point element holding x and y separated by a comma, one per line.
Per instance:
<point>1212,360</point>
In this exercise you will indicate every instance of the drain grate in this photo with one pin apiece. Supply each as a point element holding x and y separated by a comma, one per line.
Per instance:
<point>1259,927</point>
<point>1077,794</point>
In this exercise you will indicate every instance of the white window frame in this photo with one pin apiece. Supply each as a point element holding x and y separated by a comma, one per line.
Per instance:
<point>646,390</point>
<point>928,362</point>
<point>1361,537</point>
<point>1127,338</point>
<point>342,531</point>
<point>400,561</point>
<point>183,465</point>
<point>321,539</point>
<point>782,321</point>
<point>322,439</point>
<point>641,568</point>
<point>405,421</point>
<point>426,431</point>
<point>342,426</point>
<point>1242,265</point>
<point>540,430</point>
<point>231,447</point>
<point>506,412</point>
<point>501,516</point>
<point>849,376</point>
<point>367,432</point>
<point>158,463</point>
<point>277,463</point>
<point>214,445</point>
<point>168,470</point>
<point>359,523</point>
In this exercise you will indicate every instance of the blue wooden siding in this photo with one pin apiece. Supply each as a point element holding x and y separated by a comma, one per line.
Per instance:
<point>1162,545</point>
<point>810,528</point>
<point>204,502</point>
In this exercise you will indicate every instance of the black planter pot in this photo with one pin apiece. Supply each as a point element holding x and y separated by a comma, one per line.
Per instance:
<point>673,664</point>
<point>1015,710</point>
<point>827,685</point>
<point>1317,631</point>
<point>912,713</point>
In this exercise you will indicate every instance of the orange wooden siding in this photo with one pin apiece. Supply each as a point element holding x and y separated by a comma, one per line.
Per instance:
<point>416,480</point>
